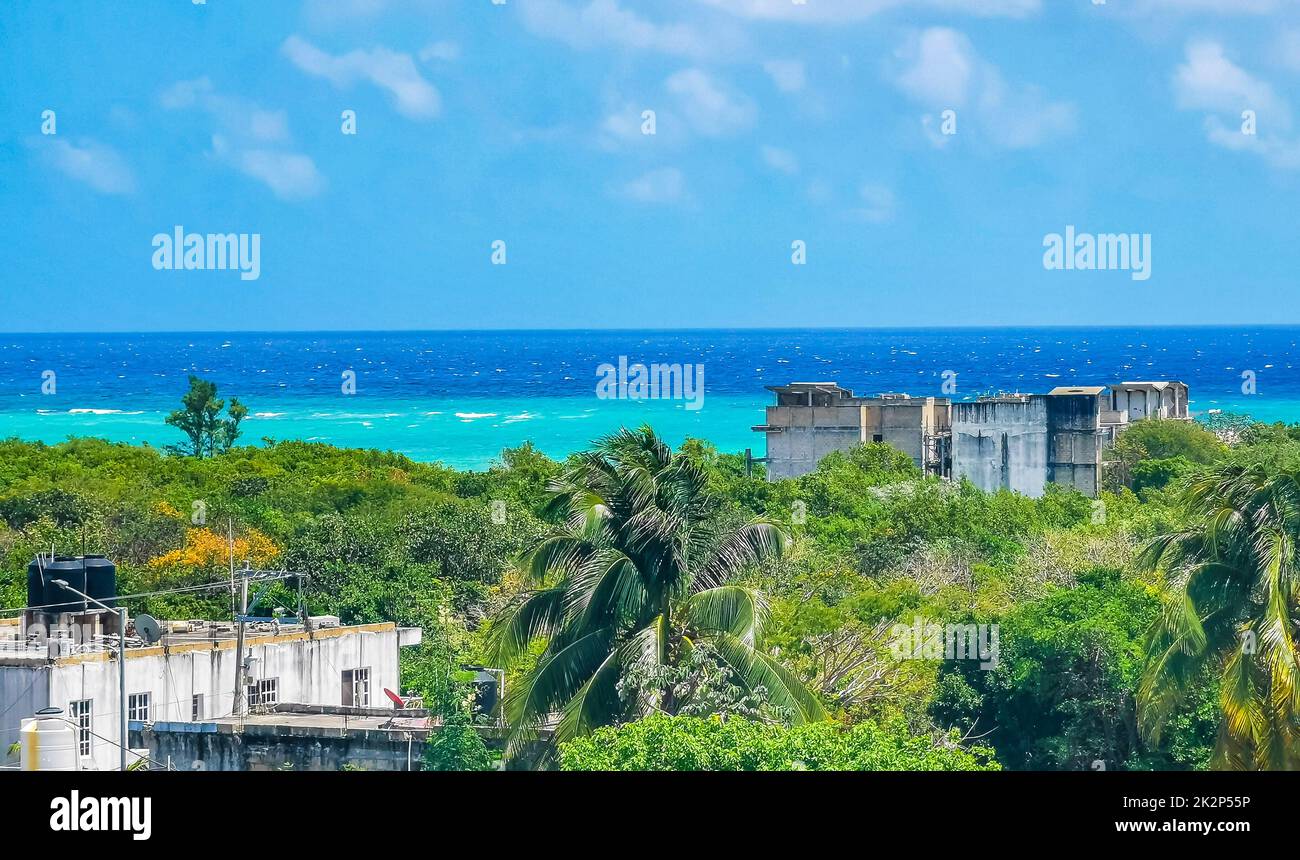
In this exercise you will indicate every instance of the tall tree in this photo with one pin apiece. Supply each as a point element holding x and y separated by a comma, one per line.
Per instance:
<point>639,576</point>
<point>1234,611</point>
<point>200,420</point>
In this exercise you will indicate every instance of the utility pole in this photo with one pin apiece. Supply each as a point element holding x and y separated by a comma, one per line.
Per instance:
<point>239,643</point>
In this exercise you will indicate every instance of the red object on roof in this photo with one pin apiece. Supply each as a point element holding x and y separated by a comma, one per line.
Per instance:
<point>394,698</point>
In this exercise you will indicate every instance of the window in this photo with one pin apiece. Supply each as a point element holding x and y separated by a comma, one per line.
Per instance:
<point>877,438</point>
<point>264,692</point>
<point>80,713</point>
<point>196,707</point>
<point>137,706</point>
<point>356,687</point>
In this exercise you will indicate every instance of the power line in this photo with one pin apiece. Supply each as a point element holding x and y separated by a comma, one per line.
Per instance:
<point>266,576</point>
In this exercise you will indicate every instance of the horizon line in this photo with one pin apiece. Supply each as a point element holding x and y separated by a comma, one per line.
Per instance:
<point>576,330</point>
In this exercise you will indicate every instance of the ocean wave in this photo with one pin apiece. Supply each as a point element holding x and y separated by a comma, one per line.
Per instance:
<point>473,416</point>
<point>522,416</point>
<point>105,412</point>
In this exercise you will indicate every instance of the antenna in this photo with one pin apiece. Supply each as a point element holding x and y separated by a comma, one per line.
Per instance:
<point>147,627</point>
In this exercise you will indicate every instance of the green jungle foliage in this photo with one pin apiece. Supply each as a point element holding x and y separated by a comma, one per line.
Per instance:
<point>663,609</point>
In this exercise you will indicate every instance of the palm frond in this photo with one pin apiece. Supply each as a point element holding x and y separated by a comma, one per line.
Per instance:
<point>730,609</point>
<point>751,543</point>
<point>756,669</point>
<point>537,616</point>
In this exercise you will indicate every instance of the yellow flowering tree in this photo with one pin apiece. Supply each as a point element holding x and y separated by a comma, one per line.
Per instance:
<point>204,549</point>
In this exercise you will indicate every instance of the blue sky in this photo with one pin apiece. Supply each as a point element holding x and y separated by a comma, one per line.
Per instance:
<point>774,121</point>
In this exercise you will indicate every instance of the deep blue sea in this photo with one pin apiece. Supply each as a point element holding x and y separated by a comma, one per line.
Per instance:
<point>460,397</point>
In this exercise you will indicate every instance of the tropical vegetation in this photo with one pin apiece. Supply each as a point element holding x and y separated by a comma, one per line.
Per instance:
<point>655,608</point>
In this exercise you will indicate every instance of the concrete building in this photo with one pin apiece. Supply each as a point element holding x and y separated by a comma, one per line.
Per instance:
<point>813,419</point>
<point>1019,442</point>
<point>1138,400</point>
<point>312,737</point>
<point>188,676</point>
<point>1001,442</point>
<point>1023,442</point>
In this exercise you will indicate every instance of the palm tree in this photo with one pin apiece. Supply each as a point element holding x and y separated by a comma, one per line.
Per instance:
<point>640,573</point>
<point>1234,612</point>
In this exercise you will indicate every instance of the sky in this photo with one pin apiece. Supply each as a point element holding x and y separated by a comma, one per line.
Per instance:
<point>818,163</point>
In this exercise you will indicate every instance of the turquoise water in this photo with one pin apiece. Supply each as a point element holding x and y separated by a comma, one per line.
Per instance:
<point>461,397</point>
<point>461,433</point>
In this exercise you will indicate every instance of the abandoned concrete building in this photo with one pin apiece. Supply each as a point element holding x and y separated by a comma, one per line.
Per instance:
<point>1138,400</point>
<point>812,419</point>
<point>1019,442</point>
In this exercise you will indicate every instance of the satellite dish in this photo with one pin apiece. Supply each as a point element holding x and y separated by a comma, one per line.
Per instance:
<point>147,628</point>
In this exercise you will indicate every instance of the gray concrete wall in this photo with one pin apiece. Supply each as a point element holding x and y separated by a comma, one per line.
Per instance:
<point>1074,441</point>
<point>808,435</point>
<point>1001,444</point>
<point>220,746</point>
<point>281,748</point>
<point>23,692</point>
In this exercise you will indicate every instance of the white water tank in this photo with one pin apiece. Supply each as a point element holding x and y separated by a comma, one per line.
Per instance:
<point>47,743</point>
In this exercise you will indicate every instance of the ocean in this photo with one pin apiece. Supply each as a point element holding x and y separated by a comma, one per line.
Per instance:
<point>461,397</point>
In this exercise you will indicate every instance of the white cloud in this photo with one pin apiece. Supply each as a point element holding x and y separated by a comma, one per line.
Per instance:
<point>1021,117</point>
<point>602,23</point>
<point>393,72</point>
<point>877,203</point>
<point>664,185</point>
<point>249,138</point>
<point>237,115</point>
<point>832,11</point>
<point>782,160</point>
<point>88,161</point>
<point>1278,150</point>
<point>1208,80</point>
<point>788,75</point>
<point>621,126</point>
<point>940,69</point>
<point>940,65</point>
<point>711,108</point>
<point>1212,7</point>
<point>289,175</point>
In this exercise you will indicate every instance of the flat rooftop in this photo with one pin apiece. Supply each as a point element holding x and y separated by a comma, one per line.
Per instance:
<point>1078,389</point>
<point>177,637</point>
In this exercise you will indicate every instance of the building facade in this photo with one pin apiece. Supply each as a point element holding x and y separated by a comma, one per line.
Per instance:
<point>1138,400</point>
<point>1018,442</point>
<point>813,419</point>
<point>1023,442</point>
<point>188,676</point>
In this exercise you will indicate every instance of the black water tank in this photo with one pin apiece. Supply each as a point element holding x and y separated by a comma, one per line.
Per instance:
<point>101,579</point>
<point>36,580</point>
<point>70,570</point>
<point>487,691</point>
